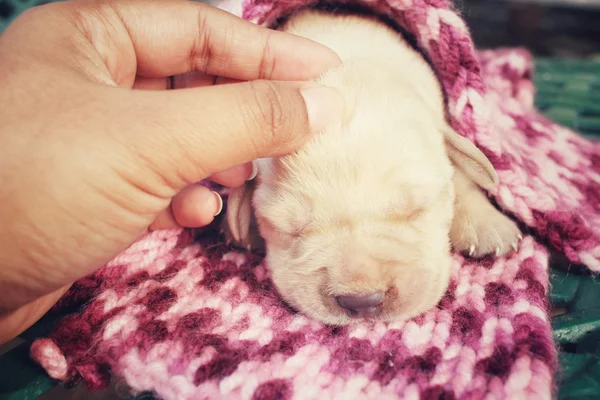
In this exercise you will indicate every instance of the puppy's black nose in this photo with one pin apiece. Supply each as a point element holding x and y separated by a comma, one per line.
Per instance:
<point>362,306</point>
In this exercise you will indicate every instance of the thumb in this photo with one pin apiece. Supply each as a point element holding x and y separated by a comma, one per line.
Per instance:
<point>194,133</point>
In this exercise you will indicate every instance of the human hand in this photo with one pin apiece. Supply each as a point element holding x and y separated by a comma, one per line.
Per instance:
<point>89,161</point>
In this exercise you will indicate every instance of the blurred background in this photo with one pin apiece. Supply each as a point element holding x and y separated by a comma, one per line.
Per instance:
<point>554,28</point>
<point>548,28</point>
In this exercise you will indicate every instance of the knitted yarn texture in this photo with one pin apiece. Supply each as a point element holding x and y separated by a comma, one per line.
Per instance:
<point>186,317</point>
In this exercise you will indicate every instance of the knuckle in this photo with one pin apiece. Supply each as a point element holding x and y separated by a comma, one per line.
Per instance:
<point>202,49</point>
<point>270,109</point>
<point>267,63</point>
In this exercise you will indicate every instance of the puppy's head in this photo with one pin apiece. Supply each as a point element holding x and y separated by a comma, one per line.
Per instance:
<point>349,244</point>
<point>356,224</point>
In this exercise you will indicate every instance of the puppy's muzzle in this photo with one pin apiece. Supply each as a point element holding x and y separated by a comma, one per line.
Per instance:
<point>362,306</point>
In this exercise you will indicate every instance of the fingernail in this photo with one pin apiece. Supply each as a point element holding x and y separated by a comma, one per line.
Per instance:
<point>324,105</point>
<point>254,172</point>
<point>219,202</point>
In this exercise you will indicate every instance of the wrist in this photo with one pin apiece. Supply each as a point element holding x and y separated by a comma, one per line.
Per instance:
<point>15,322</point>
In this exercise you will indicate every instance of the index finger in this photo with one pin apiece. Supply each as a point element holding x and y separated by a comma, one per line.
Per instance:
<point>177,37</point>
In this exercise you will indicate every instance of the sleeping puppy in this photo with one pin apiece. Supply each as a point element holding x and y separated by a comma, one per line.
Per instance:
<point>361,221</point>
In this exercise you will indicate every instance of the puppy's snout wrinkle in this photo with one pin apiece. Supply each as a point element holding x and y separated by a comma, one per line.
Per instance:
<point>362,306</point>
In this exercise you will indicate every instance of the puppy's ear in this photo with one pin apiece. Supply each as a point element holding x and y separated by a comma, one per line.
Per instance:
<point>240,226</point>
<point>466,156</point>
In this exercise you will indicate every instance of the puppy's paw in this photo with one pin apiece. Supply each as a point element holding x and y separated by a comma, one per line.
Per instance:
<point>240,228</point>
<point>250,240</point>
<point>480,230</point>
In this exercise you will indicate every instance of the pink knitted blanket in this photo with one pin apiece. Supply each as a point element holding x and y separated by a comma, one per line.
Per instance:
<point>186,317</point>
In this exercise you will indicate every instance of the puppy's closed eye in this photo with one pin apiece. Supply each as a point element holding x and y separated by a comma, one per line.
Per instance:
<point>411,201</point>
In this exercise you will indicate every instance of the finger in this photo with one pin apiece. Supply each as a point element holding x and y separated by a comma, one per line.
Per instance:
<point>236,176</point>
<point>165,38</point>
<point>164,220</point>
<point>193,207</point>
<point>191,134</point>
<point>196,206</point>
<point>191,36</point>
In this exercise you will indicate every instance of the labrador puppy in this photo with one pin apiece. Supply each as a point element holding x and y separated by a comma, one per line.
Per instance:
<point>360,223</point>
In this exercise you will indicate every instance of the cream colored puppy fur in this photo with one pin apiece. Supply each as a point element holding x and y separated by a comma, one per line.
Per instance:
<point>375,203</point>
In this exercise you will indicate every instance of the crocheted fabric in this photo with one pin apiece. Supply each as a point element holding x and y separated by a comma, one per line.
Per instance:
<point>186,317</point>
